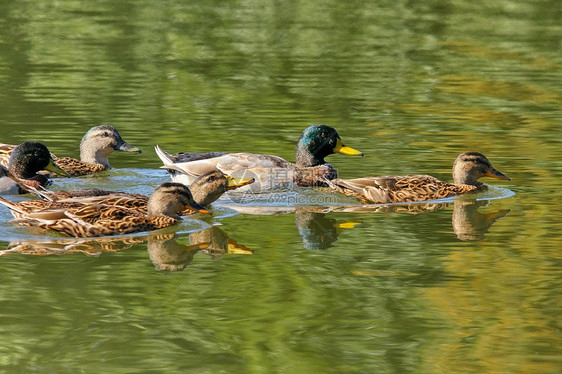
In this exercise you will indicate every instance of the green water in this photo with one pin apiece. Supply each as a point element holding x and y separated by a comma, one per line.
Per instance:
<point>472,286</point>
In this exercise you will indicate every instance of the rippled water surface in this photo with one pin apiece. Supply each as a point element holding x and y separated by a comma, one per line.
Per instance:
<point>296,281</point>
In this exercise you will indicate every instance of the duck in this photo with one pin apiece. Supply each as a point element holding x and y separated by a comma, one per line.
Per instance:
<point>205,190</point>
<point>96,146</point>
<point>94,220</point>
<point>22,171</point>
<point>270,172</point>
<point>467,169</point>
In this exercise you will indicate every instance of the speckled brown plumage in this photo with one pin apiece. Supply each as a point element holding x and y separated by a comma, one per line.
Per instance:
<point>92,219</point>
<point>76,168</point>
<point>96,146</point>
<point>5,153</point>
<point>102,220</point>
<point>394,189</point>
<point>467,169</point>
<point>205,189</point>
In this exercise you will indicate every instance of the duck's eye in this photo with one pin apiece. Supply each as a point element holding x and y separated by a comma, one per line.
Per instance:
<point>105,134</point>
<point>323,135</point>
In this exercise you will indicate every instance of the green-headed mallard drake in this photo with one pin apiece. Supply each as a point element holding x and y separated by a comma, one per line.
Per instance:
<point>270,172</point>
<point>92,220</point>
<point>467,169</point>
<point>25,161</point>
<point>95,148</point>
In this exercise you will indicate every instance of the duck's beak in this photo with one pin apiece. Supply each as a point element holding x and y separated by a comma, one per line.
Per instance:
<point>238,249</point>
<point>198,208</point>
<point>126,147</point>
<point>341,148</point>
<point>54,168</point>
<point>234,183</point>
<point>493,173</point>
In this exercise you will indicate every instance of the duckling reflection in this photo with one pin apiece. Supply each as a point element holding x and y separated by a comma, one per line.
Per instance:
<point>168,255</point>
<point>319,231</point>
<point>471,225</point>
<point>89,247</point>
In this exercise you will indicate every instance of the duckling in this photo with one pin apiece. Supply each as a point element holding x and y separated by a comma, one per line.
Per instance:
<point>26,160</point>
<point>467,169</point>
<point>96,146</point>
<point>93,220</point>
<point>270,172</point>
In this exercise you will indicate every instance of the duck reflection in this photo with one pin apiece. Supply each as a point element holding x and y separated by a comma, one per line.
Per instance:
<point>317,229</point>
<point>169,255</point>
<point>469,224</point>
<point>89,247</point>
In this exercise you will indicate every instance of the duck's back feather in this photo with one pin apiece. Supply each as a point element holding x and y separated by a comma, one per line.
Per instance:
<point>96,220</point>
<point>5,153</point>
<point>75,167</point>
<point>72,166</point>
<point>269,171</point>
<point>396,189</point>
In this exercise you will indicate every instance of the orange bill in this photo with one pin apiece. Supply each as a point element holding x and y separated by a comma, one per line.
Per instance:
<point>493,173</point>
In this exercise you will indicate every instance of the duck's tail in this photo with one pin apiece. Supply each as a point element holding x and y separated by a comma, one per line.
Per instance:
<point>164,156</point>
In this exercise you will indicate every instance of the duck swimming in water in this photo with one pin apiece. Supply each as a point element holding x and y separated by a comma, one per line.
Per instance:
<point>96,146</point>
<point>467,169</point>
<point>205,190</point>
<point>270,172</point>
<point>93,220</point>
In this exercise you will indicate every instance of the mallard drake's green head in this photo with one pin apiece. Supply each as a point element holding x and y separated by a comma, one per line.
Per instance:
<point>470,166</point>
<point>30,157</point>
<point>317,142</point>
<point>210,186</point>
<point>99,142</point>
<point>169,199</point>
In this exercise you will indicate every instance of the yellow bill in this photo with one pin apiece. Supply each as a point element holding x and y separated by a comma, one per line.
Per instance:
<point>341,148</point>
<point>234,183</point>
<point>53,168</point>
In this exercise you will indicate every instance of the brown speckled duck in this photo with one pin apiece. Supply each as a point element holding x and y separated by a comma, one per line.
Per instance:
<point>96,146</point>
<point>93,220</point>
<point>467,169</point>
<point>205,190</point>
<point>270,172</point>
